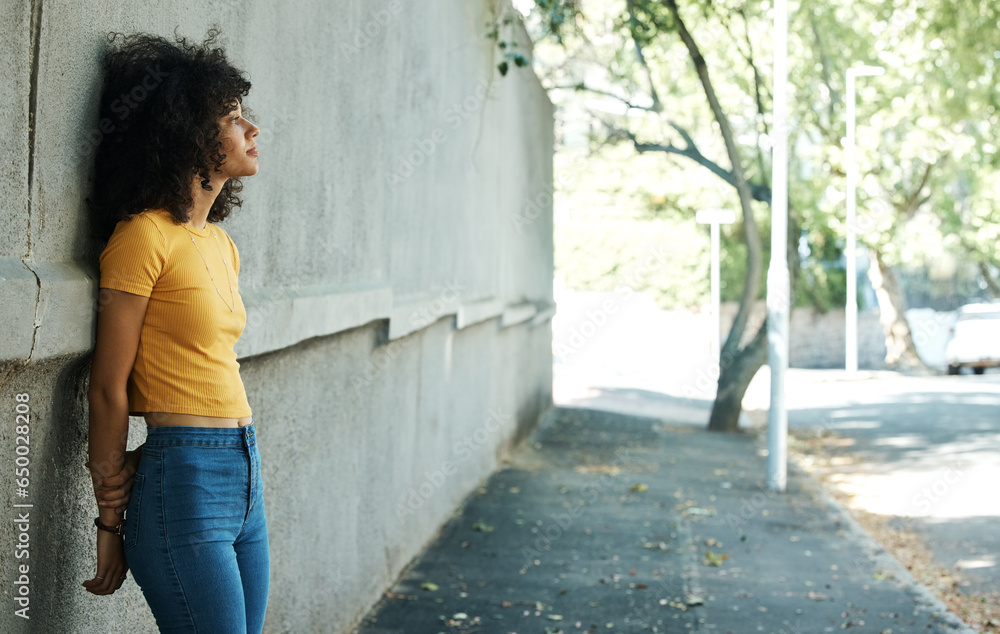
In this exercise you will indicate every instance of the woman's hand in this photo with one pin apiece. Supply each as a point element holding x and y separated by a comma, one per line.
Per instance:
<point>111,564</point>
<point>113,491</point>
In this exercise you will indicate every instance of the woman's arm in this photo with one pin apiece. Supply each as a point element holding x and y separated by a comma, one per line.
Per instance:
<point>114,491</point>
<point>119,323</point>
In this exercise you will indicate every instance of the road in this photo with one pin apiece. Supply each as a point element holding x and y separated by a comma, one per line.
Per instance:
<point>925,450</point>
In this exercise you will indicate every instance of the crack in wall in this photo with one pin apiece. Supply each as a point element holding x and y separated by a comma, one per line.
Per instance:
<point>36,30</point>
<point>38,297</point>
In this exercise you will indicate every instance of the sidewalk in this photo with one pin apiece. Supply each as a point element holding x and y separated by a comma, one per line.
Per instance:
<point>607,522</point>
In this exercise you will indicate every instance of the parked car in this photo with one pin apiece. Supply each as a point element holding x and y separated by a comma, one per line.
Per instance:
<point>974,339</point>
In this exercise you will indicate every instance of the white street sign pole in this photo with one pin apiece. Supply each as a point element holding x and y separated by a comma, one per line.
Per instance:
<point>715,217</point>
<point>716,293</point>
<point>778,284</point>
<point>851,310</point>
<point>850,252</point>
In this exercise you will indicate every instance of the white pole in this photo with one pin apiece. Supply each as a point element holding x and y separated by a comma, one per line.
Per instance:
<point>714,218</point>
<point>850,251</point>
<point>778,284</point>
<point>716,294</point>
<point>851,310</point>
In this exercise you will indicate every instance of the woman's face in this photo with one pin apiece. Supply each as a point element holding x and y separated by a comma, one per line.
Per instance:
<point>238,144</point>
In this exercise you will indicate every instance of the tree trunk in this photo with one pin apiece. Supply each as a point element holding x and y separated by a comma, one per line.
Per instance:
<point>735,374</point>
<point>900,350</point>
<point>737,365</point>
<point>991,282</point>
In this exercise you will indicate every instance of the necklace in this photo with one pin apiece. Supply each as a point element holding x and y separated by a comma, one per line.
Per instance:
<point>232,297</point>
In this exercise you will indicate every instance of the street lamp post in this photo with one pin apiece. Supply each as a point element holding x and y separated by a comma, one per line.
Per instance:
<point>715,217</point>
<point>778,279</point>
<point>851,310</point>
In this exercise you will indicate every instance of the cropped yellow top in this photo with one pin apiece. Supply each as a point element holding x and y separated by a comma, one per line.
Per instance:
<point>185,363</point>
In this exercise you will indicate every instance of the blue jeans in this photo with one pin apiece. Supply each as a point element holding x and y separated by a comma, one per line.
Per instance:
<point>195,532</point>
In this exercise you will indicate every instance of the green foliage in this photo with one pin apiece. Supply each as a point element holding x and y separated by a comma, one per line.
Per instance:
<point>498,30</point>
<point>927,141</point>
<point>822,286</point>
<point>607,236</point>
<point>667,259</point>
<point>627,219</point>
<point>557,15</point>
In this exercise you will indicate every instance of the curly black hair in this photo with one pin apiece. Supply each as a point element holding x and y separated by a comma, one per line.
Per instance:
<point>159,111</point>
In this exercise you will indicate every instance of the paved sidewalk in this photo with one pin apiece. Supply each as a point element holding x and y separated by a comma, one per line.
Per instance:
<point>614,523</point>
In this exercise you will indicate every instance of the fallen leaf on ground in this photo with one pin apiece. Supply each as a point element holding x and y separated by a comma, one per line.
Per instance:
<point>598,468</point>
<point>711,559</point>
<point>430,586</point>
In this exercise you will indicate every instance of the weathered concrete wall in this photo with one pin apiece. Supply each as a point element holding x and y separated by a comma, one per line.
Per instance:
<point>818,339</point>
<point>398,286</point>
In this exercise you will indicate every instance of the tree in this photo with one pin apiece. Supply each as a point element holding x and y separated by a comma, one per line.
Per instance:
<point>919,139</point>
<point>924,152</point>
<point>650,31</point>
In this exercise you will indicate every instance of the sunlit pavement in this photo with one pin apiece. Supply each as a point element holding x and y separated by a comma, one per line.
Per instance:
<point>924,449</point>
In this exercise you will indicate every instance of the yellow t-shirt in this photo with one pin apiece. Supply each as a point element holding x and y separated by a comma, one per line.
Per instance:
<point>185,363</point>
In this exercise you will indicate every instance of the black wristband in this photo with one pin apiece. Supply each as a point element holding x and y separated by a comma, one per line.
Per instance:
<point>117,529</point>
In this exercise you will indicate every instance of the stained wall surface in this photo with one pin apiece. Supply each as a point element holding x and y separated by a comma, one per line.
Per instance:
<point>396,265</point>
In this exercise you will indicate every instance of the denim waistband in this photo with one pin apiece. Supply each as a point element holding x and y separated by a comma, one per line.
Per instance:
<point>176,435</point>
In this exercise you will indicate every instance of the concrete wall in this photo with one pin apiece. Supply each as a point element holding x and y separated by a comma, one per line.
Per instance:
<point>395,265</point>
<point>817,339</point>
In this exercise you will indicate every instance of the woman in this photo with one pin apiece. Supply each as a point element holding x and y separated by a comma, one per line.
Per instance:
<point>194,534</point>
